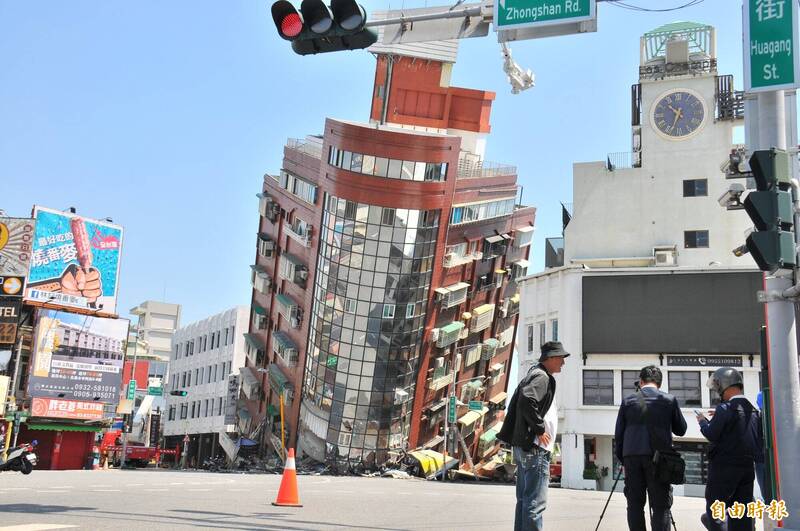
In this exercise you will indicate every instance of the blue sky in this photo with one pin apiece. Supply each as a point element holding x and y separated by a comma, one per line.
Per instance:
<point>165,116</point>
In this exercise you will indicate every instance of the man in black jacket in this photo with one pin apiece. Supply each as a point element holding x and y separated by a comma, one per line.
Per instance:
<point>736,437</point>
<point>634,449</point>
<point>524,428</point>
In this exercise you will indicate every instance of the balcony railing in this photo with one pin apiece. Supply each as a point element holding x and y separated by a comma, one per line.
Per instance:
<point>468,169</point>
<point>440,382</point>
<point>624,160</point>
<point>304,146</point>
<point>454,260</point>
<point>302,239</point>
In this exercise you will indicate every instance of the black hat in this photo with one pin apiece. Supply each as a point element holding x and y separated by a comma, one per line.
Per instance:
<point>553,349</point>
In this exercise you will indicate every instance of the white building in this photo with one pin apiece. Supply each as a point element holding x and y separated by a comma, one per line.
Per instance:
<point>646,274</point>
<point>204,354</point>
<point>156,323</point>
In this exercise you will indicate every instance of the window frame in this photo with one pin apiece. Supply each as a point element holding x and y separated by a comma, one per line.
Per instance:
<point>601,374</point>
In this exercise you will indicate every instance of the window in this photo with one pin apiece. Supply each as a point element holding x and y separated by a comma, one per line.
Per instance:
<point>193,410</point>
<point>209,375</point>
<point>205,407</point>
<point>171,413</point>
<point>694,239</point>
<point>350,306</point>
<point>685,386</point>
<point>388,217</point>
<point>542,334</point>
<point>695,187</point>
<point>409,311</point>
<point>629,379</point>
<point>184,411</point>
<point>554,326</point>
<point>202,375</point>
<point>598,388</point>
<point>219,409</point>
<point>188,378</point>
<point>215,373</point>
<point>388,311</point>
<point>459,249</point>
<point>183,379</point>
<point>530,338</point>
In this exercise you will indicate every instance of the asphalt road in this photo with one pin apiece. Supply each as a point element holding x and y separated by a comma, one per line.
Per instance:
<point>157,499</point>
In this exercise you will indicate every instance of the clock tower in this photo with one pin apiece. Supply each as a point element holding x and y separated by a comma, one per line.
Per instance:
<point>658,204</point>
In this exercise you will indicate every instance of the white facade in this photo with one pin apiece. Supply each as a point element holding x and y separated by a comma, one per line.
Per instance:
<point>204,354</point>
<point>157,321</point>
<point>621,217</point>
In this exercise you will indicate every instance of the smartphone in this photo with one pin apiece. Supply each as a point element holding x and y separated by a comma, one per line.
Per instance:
<point>699,412</point>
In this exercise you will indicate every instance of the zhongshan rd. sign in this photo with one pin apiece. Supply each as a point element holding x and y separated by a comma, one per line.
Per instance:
<point>511,14</point>
<point>770,45</point>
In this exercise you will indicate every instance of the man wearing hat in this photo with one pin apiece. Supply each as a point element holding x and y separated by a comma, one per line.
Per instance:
<point>525,428</point>
<point>736,439</point>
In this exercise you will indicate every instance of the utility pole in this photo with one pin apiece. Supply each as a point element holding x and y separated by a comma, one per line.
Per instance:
<point>133,409</point>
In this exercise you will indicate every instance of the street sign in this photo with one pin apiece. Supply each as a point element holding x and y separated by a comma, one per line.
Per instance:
<point>131,390</point>
<point>511,14</point>
<point>155,391</point>
<point>451,410</point>
<point>475,405</point>
<point>771,59</point>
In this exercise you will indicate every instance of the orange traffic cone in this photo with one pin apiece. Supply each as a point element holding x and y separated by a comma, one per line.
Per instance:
<point>287,493</point>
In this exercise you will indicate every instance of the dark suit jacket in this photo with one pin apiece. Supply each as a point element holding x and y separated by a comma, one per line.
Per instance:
<point>631,434</point>
<point>525,415</point>
<point>735,433</point>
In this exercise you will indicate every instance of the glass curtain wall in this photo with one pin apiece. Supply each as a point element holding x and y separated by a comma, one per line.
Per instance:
<point>371,288</point>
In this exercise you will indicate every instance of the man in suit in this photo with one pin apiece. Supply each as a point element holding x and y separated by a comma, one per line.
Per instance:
<point>736,439</point>
<point>634,449</point>
<point>525,428</point>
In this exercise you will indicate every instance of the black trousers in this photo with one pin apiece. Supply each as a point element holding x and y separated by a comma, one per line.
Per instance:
<point>729,484</point>
<point>640,484</point>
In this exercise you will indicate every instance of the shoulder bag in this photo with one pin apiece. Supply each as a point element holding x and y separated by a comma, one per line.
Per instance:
<point>668,463</point>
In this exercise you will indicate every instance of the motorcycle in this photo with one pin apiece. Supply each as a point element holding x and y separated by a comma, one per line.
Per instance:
<point>20,458</point>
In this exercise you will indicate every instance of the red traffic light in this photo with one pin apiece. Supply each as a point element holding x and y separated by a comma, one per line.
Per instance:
<point>287,20</point>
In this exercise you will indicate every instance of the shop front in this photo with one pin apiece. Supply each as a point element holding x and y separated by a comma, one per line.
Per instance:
<point>60,446</point>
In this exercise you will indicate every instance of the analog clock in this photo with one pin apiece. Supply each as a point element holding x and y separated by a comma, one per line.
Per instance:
<point>678,114</point>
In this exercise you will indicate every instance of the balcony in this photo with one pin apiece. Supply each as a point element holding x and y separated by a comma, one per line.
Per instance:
<point>479,169</point>
<point>284,349</point>
<point>312,149</point>
<point>455,260</point>
<point>495,246</point>
<point>303,237</point>
<point>260,279</point>
<point>624,160</point>
<point>293,269</point>
<point>289,310</point>
<point>512,308</point>
<point>440,382</point>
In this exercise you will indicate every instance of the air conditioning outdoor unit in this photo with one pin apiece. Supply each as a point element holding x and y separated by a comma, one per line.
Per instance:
<point>400,396</point>
<point>504,311</point>
<point>449,258</point>
<point>665,256</point>
<point>439,363</point>
<point>294,322</point>
<point>303,274</point>
<point>435,334</point>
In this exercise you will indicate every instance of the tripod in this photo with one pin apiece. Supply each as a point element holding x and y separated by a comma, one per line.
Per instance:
<point>613,488</point>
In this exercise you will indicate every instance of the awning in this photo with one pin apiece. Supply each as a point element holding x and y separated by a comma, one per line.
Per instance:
<point>437,406</point>
<point>499,398</point>
<point>457,287</point>
<point>277,379</point>
<point>433,443</point>
<point>522,263</point>
<point>285,300</point>
<point>442,291</point>
<point>500,271</point>
<point>469,418</point>
<point>258,269</point>
<point>63,427</point>
<point>259,310</point>
<point>455,326</point>
<point>489,436</point>
<point>248,378</point>
<point>497,367</point>
<point>524,229</point>
<point>482,309</point>
<point>494,239</point>
<point>283,340</point>
<point>253,341</point>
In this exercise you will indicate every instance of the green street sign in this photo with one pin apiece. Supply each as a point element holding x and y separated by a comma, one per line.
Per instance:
<point>155,391</point>
<point>511,14</point>
<point>475,405</point>
<point>771,59</point>
<point>451,410</point>
<point>131,390</point>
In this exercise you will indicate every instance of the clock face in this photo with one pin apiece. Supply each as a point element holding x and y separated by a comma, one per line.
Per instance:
<point>678,114</point>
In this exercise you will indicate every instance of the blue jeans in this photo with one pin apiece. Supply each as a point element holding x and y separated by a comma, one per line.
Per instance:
<point>533,478</point>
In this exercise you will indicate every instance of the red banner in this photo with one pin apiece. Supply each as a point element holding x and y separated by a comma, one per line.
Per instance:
<point>66,409</point>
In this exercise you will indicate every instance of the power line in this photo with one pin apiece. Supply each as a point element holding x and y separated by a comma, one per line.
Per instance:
<point>623,5</point>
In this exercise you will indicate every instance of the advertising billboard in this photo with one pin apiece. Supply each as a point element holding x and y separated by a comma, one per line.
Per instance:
<point>9,319</point>
<point>77,357</point>
<point>66,409</point>
<point>74,261</point>
<point>16,240</point>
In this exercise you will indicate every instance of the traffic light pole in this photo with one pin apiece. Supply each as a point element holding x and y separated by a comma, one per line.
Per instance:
<point>782,336</point>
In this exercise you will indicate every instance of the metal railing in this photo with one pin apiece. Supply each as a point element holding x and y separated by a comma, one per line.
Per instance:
<point>304,146</point>
<point>468,169</point>
<point>624,160</point>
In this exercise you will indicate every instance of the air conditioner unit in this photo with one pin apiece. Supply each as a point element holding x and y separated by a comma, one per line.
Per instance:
<point>665,256</point>
<point>294,322</point>
<point>400,396</point>
<point>435,334</point>
<point>303,274</point>
<point>504,311</point>
<point>269,245</point>
<point>449,258</point>
<point>438,363</point>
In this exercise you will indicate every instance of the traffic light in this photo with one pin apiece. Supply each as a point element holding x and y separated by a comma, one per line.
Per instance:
<point>318,28</point>
<point>178,393</point>
<point>770,207</point>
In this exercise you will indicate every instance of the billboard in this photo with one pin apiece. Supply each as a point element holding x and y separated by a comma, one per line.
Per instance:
<point>66,409</point>
<point>9,319</point>
<point>77,357</point>
<point>232,399</point>
<point>74,261</point>
<point>16,240</point>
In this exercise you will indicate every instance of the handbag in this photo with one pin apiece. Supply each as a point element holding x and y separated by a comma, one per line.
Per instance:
<point>668,464</point>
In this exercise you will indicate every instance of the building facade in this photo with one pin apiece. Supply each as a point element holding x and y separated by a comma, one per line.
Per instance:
<point>385,273</point>
<point>644,273</point>
<point>205,355</point>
